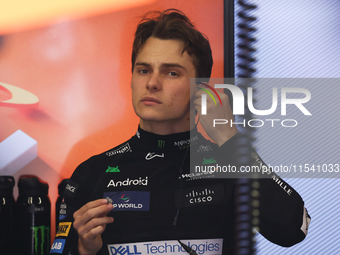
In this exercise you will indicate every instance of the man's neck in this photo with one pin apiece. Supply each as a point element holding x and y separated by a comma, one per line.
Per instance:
<point>164,128</point>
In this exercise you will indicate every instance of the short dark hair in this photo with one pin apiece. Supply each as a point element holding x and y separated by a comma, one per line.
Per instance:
<point>173,24</point>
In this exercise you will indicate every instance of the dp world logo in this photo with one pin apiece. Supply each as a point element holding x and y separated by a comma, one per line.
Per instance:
<point>125,199</point>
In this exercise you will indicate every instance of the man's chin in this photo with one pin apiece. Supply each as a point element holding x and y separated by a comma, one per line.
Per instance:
<point>151,117</point>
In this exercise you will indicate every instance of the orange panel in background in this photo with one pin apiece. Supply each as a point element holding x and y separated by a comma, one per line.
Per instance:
<point>23,14</point>
<point>80,70</point>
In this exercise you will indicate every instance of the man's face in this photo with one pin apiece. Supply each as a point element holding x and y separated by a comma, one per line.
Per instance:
<point>161,85</point>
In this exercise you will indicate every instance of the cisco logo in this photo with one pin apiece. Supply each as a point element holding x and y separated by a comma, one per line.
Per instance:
<point>211,194</point>
<point>204,196</point>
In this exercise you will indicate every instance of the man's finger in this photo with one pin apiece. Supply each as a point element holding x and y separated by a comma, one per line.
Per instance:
<point>94,225</point>
<point>93,212</point>
<point>90,205</point>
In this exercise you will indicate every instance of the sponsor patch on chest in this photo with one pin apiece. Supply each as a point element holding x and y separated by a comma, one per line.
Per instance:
<point>200,246</point>
<point>204,195</point>
<point>128,182</point>
<point>129,200</point>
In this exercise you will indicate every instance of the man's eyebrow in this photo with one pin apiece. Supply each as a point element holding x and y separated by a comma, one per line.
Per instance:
<point>173,65</point>
<point>164,65</point>
<point>142,64</point>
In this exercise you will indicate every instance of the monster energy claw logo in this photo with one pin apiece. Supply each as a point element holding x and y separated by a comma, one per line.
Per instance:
<point>161,144</point>
<point>45,239</point>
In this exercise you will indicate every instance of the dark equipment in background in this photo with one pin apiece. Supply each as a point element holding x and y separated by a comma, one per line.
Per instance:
<point>33,216</point>
<point>245,195</point>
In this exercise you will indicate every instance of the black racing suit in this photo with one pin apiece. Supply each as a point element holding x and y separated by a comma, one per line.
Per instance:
<point>149,182</point>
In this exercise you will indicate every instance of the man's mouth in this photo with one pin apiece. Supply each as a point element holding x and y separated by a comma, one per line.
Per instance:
<point>150,101</point>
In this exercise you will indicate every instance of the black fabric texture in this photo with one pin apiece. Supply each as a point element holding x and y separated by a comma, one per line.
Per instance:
<point>156,169</point>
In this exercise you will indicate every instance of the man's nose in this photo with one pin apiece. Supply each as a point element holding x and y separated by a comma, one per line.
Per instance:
<point>154,82</point>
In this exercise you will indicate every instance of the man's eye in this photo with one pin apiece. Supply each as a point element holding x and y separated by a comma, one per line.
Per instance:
<point>143,71</point>
<point>173,74</point>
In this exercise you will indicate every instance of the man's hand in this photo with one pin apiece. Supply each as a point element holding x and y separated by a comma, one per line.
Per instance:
<point>90,222</point>
<point>221,132</point>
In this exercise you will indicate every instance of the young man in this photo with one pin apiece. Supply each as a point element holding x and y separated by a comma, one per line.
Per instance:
<point>154,201</point>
